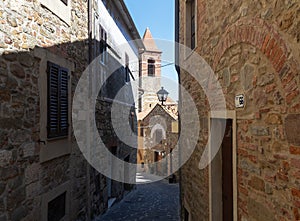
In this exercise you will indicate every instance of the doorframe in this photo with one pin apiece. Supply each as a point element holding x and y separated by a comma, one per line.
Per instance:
<point>188,208</point>
<point>225,115</point>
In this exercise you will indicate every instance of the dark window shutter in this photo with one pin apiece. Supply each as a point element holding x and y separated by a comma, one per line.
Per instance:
<point>53,103</point>
<point>127,78</point>
<point>57,101</point>
<point>63,98</point>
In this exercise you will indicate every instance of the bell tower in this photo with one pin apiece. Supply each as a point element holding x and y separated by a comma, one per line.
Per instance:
<point>150,75</point>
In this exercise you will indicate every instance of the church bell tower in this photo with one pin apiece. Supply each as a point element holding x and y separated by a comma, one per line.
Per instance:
<point>150,75</point>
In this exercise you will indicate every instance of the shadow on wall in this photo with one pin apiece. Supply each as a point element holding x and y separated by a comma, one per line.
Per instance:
<point>39,158</point>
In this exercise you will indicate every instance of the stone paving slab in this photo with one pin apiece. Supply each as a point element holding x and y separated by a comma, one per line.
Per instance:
<point>158,201</point>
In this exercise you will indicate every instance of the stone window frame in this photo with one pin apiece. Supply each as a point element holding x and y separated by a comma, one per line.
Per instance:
<point>229,114</point>
<point>59,8</point>
<point>51,148</point>
<point>188,26</point>
<point>51,195</point>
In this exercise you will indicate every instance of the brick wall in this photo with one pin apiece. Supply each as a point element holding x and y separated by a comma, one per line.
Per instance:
<point>253,48</point>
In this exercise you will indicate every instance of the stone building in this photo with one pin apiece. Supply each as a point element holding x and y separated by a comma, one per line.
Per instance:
<point>158,135</point>
<point>252,48</point>
<point>45,46</point>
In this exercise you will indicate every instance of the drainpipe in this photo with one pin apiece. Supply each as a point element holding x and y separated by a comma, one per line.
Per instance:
<point>179,93</point>
<point>90,54</point>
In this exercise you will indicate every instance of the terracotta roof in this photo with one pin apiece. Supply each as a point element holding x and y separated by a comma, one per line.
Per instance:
<point>149,42</point>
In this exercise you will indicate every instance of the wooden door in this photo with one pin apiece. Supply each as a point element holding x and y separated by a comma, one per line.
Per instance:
<point>227,173</point>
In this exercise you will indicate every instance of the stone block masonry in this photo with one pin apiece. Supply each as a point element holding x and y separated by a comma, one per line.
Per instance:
<point>253,48</point>
<point>25,26</point>
<point>30,35</point>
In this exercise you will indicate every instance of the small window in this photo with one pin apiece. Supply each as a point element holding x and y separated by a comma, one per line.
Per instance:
<point>151,67</point>
<point>127,77</point>
<point>191,24</point>
<point>57,208</point>
<point>57,110</point>
<point>103,45</point>
<point>142,131</point>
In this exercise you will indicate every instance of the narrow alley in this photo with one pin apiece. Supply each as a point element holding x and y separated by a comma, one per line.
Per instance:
<point>161,110</point>
<point>157,201</point>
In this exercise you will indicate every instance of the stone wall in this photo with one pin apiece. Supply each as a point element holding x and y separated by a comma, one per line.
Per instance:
<point>253,48</point>
<point>28,182</point>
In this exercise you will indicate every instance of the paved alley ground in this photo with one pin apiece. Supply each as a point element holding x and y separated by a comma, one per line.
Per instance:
<point>158,201</point>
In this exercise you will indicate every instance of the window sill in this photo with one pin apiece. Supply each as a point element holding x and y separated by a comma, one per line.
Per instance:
<point>54,148</point>
<point>57,138</point>
<point>59,8</point>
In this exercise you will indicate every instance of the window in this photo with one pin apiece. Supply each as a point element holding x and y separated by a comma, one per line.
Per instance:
<point>57,208</point>
<point>151,67</point>
<point>103,45</point>
<point>191,24</point>
<point>57,109</point>
<point>127,71</point>
<point>141,130</point>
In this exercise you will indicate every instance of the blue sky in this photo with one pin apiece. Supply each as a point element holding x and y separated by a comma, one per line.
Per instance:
<point>158,15</point>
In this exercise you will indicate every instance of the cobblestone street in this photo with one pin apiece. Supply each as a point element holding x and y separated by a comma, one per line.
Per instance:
<point>158,201</point>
